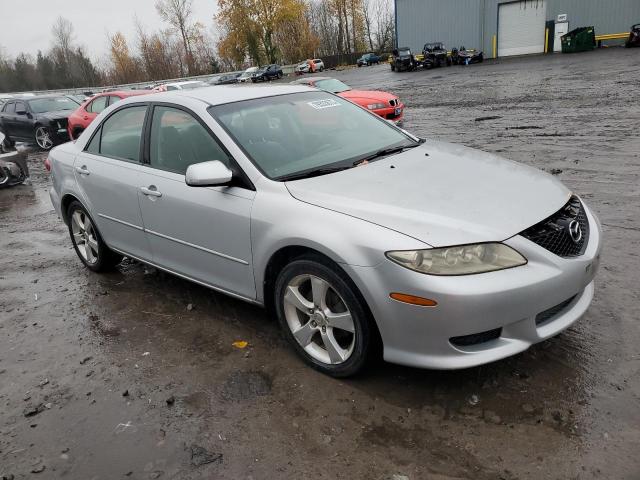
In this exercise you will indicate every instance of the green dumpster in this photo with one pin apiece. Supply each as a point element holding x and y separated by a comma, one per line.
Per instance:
<point>579,40</point>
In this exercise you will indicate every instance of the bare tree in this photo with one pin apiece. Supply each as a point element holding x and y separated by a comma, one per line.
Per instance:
<point>62,32</point>
<point>177,13</point>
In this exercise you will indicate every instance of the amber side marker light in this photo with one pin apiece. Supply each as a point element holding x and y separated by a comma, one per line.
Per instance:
<point>413,300</point>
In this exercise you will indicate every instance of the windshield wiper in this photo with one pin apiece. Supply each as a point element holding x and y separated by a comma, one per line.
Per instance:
<point>311,173</point>
<point>386,151</point>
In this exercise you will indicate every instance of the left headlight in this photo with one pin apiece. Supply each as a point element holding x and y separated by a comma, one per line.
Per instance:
<point>376,106</point>
<point>459,260</point>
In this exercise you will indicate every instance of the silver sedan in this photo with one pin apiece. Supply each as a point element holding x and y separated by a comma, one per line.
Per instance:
<point>353,232</point>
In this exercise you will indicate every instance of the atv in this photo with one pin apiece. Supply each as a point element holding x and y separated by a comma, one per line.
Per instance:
<point>466,57</point>
<point>435,55</point>
<point>402,59</point>
<point>634,37</point>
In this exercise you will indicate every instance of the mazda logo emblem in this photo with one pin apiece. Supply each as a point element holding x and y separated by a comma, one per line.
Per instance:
<point>575,231</point>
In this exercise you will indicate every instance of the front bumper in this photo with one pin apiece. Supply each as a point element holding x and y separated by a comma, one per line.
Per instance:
<point>392,114</point>
<point>506,302</point>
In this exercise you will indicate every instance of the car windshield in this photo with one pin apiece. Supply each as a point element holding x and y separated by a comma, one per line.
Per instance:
<point>288,135</point>
<point>332,85</point>
<point>404,51</point>
<point>51,104</point>
<point>189,86</point>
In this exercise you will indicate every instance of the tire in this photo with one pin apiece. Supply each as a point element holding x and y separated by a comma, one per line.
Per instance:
<point>393,67</point>
<point>42,138</point>
<point>294,304</point>
<point>279,75</point>
<point>81,227</point>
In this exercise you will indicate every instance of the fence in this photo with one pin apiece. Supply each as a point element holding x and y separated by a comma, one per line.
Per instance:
<point>330,61</point>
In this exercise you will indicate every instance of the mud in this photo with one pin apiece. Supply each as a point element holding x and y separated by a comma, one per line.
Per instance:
<point>112,376</point>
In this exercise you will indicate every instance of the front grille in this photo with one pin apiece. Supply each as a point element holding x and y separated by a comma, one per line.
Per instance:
<point>553,312</point>
<point>393,103</point>
<point>476,338</point>
<point>555,233</point>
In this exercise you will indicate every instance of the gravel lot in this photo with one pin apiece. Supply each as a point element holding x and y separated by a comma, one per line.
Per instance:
<point>133,374</point>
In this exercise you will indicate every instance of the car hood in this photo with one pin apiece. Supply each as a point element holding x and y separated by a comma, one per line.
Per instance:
<point>367,95</point>
<point>441,194</point>
<point>57,115</point>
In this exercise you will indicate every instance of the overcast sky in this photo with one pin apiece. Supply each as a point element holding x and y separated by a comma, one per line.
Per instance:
<point>26,24</point>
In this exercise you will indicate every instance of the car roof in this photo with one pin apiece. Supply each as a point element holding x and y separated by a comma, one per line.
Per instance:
<point>124,93</point>
<point>183,83</point>
<point>221,94</point>
<point>308,80</point>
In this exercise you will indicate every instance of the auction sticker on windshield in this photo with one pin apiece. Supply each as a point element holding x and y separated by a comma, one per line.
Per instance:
<point>326,103</point>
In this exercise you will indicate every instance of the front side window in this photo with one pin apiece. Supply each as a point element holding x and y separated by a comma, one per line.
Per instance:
<point>179,140</point>
<point>98,105</point>
<point>288,135</point>
<point>122,134</point>
<point>20,107</point>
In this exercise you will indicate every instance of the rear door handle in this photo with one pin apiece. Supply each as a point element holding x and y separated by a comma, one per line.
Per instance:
<point>82,170</point>
<point>151,191</point>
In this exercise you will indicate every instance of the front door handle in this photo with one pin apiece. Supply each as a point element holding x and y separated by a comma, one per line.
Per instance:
<point>151,191</point>
<point>82,170</point>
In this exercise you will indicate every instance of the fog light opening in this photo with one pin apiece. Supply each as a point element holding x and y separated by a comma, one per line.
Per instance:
<point>413,299</point>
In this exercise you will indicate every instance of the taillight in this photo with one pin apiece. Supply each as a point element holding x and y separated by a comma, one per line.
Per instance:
<point>47,164</point>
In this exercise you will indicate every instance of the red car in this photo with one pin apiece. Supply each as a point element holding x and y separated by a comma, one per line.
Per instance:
<point>387,105</point>
<point>84,115</point>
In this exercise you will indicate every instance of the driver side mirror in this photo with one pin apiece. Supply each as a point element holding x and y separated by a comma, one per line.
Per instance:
<point>208,174</point>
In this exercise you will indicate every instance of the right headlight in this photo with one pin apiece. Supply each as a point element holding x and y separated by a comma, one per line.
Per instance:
<point>459,260</point>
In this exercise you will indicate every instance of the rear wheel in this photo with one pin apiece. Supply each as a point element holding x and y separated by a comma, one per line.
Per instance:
<point>322,317</point>
<point>87,242</point>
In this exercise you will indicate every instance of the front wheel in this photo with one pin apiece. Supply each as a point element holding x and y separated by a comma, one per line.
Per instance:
<point>43,139</point>
<point>322,317</point>
<point>87,242</point>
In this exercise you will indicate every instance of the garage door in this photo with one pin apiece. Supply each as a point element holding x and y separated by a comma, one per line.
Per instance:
<point>521,27</point>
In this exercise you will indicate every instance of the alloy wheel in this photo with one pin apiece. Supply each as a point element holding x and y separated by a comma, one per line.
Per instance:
<point>43,139</point>
<point>319,319</point>
<point>84,236</point>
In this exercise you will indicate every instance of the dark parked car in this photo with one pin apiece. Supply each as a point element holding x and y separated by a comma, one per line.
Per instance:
<point>269,72</point>
<point>435,55</point>
<point>402,59</point>
<point>634,37</point>
<point>368,59</point>
<point>466,57</point>
<point>225,79</point>
<point>40,120</point>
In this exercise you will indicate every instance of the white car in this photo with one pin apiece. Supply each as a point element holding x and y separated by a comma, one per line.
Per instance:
<point>187,85</point>
<point>247,74</point>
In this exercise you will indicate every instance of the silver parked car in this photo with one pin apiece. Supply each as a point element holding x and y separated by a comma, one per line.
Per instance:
<point>353,231</point>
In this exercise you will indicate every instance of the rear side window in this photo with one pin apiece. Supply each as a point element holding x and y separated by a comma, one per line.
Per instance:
<point>98,105</point>
<point>10,107</point>
<point>179,140</point>
<point>121,134</point>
